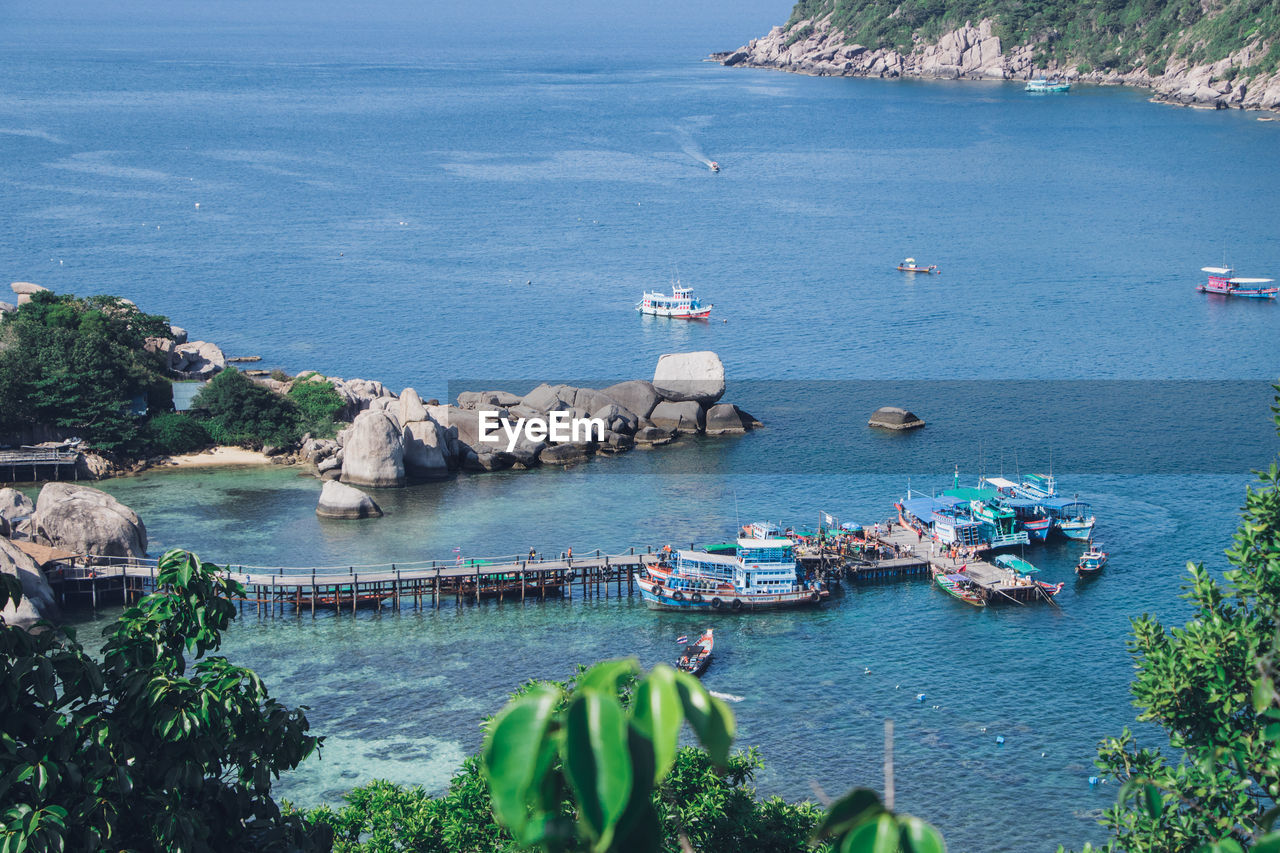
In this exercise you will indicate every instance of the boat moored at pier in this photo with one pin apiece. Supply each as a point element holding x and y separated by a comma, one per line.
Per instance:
<point>761,575</point>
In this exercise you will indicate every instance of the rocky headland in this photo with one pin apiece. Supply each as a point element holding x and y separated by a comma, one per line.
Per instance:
<point>975,52</point>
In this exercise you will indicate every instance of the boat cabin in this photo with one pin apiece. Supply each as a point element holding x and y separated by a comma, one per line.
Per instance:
<point>765,566</point>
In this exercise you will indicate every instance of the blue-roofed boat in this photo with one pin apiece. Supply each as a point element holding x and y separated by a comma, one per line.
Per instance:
<point>1091,561</point>
<point>761,575</point>
<point>1022,572</point>
<point>1073,518</point>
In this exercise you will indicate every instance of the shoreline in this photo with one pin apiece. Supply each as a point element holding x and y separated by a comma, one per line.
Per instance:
<point>222,456</point>
<point>976,53</point>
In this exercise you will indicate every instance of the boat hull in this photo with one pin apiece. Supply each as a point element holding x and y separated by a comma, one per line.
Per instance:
<point>1080,530</point>
<point>1037,529</point>
<point>1252,293</point>
<point>960,595</point>
<point>673,314</point>
<point>661,598</point>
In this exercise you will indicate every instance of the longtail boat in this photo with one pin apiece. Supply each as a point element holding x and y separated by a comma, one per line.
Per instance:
<point>695,657</point>
<point>961,587</point>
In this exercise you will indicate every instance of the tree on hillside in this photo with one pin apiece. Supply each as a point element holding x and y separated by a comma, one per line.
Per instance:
<point>154,745</point>
<point>1211,685</point>
<point>76,364</point>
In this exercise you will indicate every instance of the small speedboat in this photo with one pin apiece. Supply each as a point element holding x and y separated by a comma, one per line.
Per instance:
<point>1091,561</point>
<point>910,265</point>
<point>713,166</point>
<point>696,657</point>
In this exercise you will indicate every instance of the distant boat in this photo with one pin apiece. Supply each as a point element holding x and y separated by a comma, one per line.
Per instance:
<point>713,165</point>
<point>680,305</point>
<point>1043,85</point>
<point>1222,281</point>
<point>961,587</point>
<point>1091,561</point>
<point>695,657</point>
<point>910,265</point>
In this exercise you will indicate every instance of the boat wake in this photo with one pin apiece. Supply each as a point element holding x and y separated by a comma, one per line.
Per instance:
<point>727,697</point>
<point>688,146</point>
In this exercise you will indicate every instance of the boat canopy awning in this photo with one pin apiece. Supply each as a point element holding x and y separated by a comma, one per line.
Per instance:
<point>957,578</point>
<point>1060,503</point>
<point>1001,483</point>
<point>1251,280</point>
<point>923,508</point>
<point>1217,270</point>
<point>1022,503</point>
<point>971,494</point>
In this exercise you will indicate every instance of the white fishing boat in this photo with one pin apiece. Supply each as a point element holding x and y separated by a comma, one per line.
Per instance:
<point>680,305</point>
<point>762,575</point>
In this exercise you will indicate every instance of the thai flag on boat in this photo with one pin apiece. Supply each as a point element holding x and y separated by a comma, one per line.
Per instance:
<point>457,550</point>
<point>683,639</point>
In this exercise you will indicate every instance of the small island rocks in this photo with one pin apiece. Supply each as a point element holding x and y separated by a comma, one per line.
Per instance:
<point>892,417</point>
<point>394,439</point>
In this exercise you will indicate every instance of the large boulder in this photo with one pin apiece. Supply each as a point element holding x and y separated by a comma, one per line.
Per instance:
<point>411,408</point>
<point>685,416</point>
<point>727,419</point>
<point>88,521</point>
<point>551,398</point>
<point>178,334</point>
<point>566,454</point>
<point>24,289</point>
<point>893,417</point>
<point>37,598</point>
<point>14,508</point>
<point>697,376</point>
<point>196,360</point>
<point>7,307</point>
<point>617,419</point>
<point>373,451</point>
<point>426,446</point>
<point>338,500</point>
<point>488,400</point>
<point>635,395</point>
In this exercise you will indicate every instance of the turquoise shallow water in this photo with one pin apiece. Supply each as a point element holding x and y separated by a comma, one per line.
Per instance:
<point>422,216</point>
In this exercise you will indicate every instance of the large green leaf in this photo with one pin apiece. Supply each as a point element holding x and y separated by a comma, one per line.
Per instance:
<point>607,676</point>
<point>514,753</point>
<point>854,808</point>
<point>597,762</point>
<point>656,712</point>
<point>919,837</point>
<point>876,835</point>
<point>710,718</point>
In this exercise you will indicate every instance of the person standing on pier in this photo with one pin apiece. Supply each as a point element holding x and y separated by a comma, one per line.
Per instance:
<point>569,556</point>
<point>533,555</point>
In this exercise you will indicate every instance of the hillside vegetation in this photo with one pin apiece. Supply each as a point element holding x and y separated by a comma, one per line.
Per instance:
<point>1103,35</point>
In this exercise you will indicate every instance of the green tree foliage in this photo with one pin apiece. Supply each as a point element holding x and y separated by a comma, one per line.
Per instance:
<point>318,404</point>
<point>172,433</point>
<point>154,746</point>
<point>76,364</point>
<point>1118,35</point>
<point>240,411</point>
<point>1211,686</point>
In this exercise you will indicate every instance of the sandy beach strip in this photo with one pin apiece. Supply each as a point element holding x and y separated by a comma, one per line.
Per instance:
<point>218,457</point>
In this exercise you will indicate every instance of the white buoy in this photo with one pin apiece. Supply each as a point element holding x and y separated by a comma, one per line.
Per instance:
<point>197,205</point>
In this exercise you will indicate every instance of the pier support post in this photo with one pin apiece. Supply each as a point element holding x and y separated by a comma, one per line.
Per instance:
<point>355,593</point>
<point>395,591</point>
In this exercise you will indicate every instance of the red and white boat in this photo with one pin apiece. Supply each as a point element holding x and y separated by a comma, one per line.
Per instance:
<point>1222,281</point>
<point>680,305</point>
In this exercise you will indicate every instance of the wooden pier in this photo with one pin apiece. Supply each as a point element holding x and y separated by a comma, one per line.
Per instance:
<point>421,585</point>
<point>997,585</point>
<point>49,460</point>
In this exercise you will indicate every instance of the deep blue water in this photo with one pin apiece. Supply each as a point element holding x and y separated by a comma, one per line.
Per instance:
<point>422,215</point>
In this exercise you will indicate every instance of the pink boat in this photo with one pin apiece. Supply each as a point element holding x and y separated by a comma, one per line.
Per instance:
<point>1222,281</point>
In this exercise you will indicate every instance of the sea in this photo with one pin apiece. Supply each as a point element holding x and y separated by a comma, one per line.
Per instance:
<point>461,214</point>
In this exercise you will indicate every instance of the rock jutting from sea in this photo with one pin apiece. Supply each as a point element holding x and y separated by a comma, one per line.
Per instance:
<point>816,47</point>
<point>396,439</point>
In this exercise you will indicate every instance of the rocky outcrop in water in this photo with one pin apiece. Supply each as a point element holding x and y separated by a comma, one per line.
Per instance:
<point>338,500</point>
<point>85,520</point>
<point>976,53</point>
<point>397,439</point>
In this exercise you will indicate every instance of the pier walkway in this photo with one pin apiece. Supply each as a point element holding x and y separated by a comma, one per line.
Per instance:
<point>423,584</point>
<point>998,585</point>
